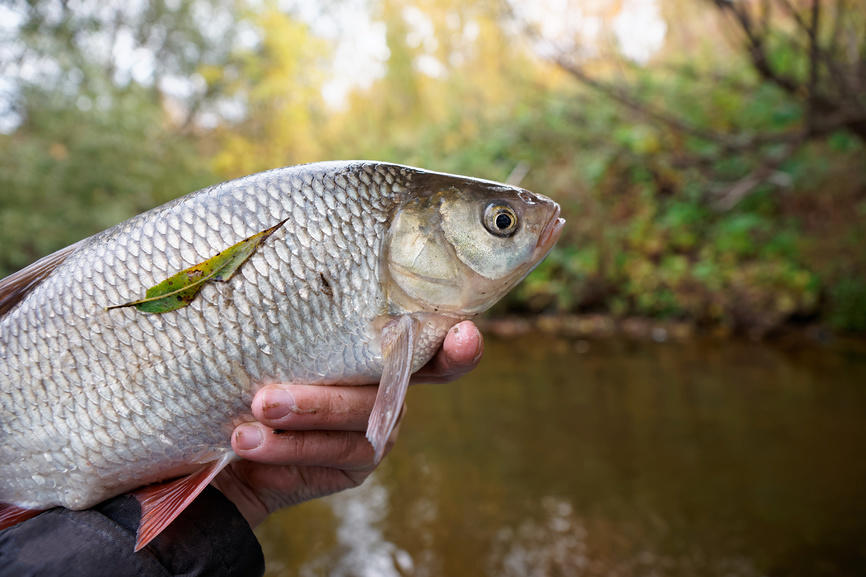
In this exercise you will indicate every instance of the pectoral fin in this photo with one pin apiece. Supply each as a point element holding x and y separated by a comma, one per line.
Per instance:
<point>161,503</point>
<point>398,343</point>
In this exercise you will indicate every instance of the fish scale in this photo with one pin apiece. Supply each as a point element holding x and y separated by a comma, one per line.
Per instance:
<point>204,378</point>
<point>362,269</point>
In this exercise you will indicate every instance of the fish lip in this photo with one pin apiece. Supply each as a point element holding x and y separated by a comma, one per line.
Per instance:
<point>551,231</point>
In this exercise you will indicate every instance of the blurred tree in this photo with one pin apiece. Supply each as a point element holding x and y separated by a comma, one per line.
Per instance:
<point>68,172</point>
<point>401,77</point>
<point>100,101</point>
<point>452,70</point>
<point>666,167</point>
<point>278,88</point>
<point>97,49</point>
<point>809,65</point>
<point>815,51</point>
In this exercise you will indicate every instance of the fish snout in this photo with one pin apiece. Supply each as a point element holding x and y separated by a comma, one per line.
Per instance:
<point>552,230</point>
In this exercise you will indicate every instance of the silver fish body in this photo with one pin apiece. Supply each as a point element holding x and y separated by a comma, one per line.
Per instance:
<point>96,402</point>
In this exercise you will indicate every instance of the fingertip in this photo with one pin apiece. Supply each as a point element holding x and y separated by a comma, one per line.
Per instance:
<point>464,344</point>
<point>260,401</point>
<point>277,404</point>
<point>247,437</point>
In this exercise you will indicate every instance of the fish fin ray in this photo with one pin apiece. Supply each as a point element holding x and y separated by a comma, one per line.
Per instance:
<point>12,515</point>
<point>398,344</point>
<point>161,503</point>
<point>18,285</point>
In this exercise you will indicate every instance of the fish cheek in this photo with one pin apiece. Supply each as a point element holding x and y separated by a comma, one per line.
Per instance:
<point>421,263</point>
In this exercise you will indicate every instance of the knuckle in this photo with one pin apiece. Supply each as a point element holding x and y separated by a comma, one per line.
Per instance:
<point>299,445</point>
<point>333,401</point>
<point>348,448</point>
<point>288,447</point>
<point>343,450</point>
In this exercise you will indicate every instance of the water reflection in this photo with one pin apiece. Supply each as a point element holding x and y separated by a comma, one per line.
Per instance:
<point>609,458</point>
<point>361,549</point>
<point>555,546</point>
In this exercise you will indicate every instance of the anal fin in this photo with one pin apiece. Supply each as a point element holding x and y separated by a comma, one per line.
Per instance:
<point>398,343</point>
<point>161,503</point>
<point>12,515</point>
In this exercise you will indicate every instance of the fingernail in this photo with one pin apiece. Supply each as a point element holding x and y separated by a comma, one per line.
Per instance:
<point>479,350</point>
<point>277,403</point>
<point>248,437</point>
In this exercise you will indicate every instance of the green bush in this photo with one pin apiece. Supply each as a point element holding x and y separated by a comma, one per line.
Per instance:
<point>847,306</point>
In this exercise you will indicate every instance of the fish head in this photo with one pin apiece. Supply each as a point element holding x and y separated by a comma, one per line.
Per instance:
<point>457,245</point>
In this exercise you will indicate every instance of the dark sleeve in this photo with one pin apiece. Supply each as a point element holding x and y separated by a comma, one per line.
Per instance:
<point>209,538</point>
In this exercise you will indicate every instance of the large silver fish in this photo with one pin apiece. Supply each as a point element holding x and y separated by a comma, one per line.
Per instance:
<point>355,272</point>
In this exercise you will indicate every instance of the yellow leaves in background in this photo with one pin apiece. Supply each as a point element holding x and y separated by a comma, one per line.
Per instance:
<point>279,84</point>
<point>447,62</point>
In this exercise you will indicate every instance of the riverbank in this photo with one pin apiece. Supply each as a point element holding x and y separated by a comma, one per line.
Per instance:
<point>597,326</point>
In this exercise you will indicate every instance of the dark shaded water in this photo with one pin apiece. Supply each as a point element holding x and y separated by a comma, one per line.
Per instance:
<point>559,458</point>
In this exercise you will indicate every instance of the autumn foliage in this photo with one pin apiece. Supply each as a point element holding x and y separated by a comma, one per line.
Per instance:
<point>717,179</point>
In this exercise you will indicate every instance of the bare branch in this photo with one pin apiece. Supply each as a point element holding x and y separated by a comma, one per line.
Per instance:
<point>518,173</point>
<point>714,78</point>
<point>766,11</point>
<point>816,52</point>
<point>728,142</point>
<point>764,172</point>
<point>625,98</point>
<point>838,14</point>
<point>813,61</point>
<point>795,14</point>
<point>756,48</point>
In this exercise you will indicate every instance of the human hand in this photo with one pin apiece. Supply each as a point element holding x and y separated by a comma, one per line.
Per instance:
<point>309,441</point>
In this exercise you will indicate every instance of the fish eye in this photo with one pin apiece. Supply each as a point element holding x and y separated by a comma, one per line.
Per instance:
<point>500,219</point>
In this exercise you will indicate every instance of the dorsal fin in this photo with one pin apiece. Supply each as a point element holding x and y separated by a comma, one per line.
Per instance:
<point>15,287</point>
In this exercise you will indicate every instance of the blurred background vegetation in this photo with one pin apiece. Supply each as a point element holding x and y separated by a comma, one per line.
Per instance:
<point>709,155</point>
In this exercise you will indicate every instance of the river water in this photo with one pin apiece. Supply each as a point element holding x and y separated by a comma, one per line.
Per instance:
<point>609,458</point>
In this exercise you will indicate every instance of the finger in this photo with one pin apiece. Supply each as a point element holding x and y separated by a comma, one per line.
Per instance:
<point>312,407</point>
<point>257,489</point>
<point>347,450</point>
<point>286,484</point>
<point>460,353</point>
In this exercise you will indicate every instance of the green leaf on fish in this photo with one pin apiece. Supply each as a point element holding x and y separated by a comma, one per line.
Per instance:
<point>178,290</point>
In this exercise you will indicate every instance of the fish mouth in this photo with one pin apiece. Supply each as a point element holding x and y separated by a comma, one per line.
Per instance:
<point>551,231</point>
